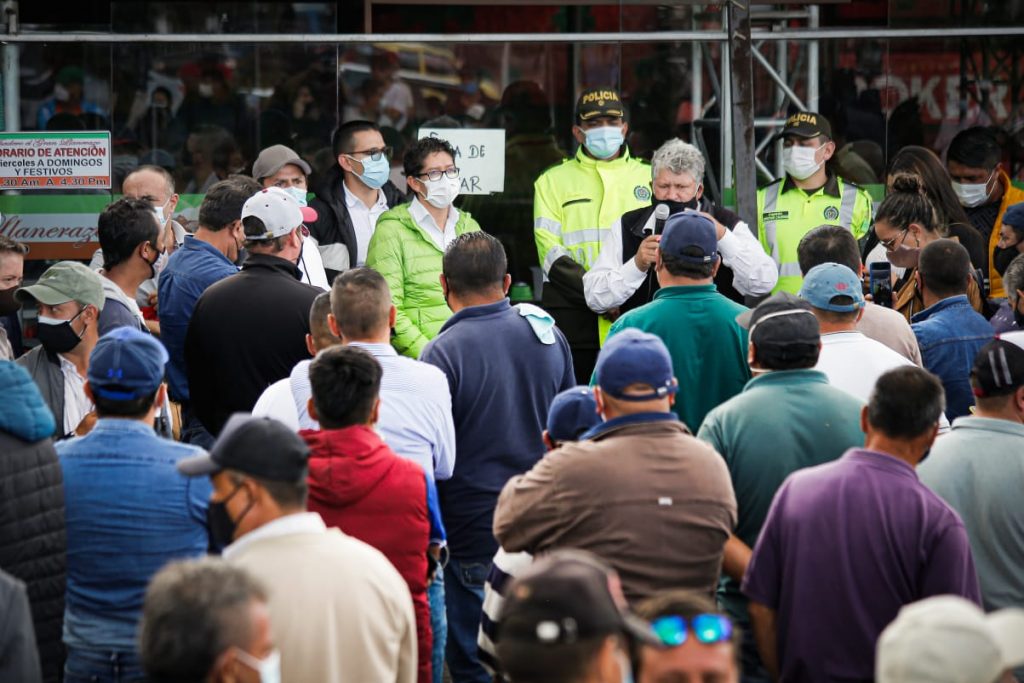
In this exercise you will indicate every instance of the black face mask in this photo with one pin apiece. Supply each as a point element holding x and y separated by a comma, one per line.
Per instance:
<point>8,304</point>
<point>677,207</point>
<point>1001,259</point>
<point>218,521</point>
<point>59,338</point>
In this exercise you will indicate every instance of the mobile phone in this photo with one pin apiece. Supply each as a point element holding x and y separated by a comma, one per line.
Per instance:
<point>880,278</point>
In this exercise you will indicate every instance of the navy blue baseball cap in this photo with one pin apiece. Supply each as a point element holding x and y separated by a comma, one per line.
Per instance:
<point>126,364</point>
<point>689,229</point>
<point>634,357</point>
<point>1014,216</point>
<point>826,282</point>
<point>572,413</point>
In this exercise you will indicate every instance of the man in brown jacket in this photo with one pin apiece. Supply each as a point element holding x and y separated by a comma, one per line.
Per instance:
<point>638,490</point>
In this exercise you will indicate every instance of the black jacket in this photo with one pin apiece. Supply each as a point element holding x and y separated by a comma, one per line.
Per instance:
<point>333,225</point>
<point>247,331</point>
<point>33,543</point>
<point>633,223</point>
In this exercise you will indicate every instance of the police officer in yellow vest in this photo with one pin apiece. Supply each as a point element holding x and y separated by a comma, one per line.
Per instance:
<point>574,204</point>
<point>806,197</point>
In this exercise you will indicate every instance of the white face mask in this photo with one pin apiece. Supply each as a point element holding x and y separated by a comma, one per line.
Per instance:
<point>972,194</point>
<point>158,211</point>
<point>800,162</point>
<point>442,192</point>
<point>268,668</point>
<point>625,668</point>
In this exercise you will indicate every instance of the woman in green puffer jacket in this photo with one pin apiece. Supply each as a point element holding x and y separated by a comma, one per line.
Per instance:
<point>409,241</point>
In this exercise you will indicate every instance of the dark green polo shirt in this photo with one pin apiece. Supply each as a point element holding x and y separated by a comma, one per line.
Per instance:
<point>782,422</point>
<point>707,345</point>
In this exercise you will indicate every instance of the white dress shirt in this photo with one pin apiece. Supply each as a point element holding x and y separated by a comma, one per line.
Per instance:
<point>415,408</point>
<point>854,362</point>
<point>442,238</point>
<point>364,220</point>
<point>76,404</point>
<point>610,282</point>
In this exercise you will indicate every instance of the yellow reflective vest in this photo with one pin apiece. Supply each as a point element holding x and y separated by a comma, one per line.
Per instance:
<point>785,213</point>
<point>575,202</point>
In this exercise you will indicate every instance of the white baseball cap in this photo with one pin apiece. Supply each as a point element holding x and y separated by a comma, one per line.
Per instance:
<point>278,210</point>
<point>947,639</point>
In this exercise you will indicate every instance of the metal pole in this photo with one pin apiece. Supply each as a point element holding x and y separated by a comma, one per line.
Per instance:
<point>725,102</point>
<point>742,109</point>
<point>782,66</point>
<point>696,72</point>
<point>813,60</point>
<point>12,67</point>
<point>783,86</point>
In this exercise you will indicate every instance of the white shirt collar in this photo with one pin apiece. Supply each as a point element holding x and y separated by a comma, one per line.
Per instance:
<point>351,199</point>
<point>420,214</point>
<point>297,523</point>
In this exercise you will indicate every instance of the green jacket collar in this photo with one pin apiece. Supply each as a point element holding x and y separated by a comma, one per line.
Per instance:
<point>620,161</point>
<point>787,378</point>
<point>831,186</point>
<point>402,214</point>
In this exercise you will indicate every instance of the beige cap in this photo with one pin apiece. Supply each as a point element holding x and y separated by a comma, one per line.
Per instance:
<point>947,639</point>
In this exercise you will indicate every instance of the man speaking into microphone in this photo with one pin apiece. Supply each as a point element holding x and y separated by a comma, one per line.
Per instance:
<point>623,277</point>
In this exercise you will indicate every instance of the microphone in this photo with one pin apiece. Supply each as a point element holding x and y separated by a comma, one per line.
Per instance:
<point>660,216</point>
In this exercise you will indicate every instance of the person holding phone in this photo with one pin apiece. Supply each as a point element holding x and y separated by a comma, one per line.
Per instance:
<point>623,276</point>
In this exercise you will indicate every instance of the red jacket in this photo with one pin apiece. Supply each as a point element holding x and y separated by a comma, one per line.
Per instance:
<point>359,485</point>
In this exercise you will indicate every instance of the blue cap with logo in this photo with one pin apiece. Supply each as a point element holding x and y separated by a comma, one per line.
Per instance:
<point>572,413</point>
<point>634,357</point>
<point>689,230</point>
<point>826,282</point>
<point>126,364</point>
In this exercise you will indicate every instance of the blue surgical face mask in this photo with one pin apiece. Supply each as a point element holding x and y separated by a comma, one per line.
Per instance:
<point>298,194</point>
<point>375,173</point>
<point>604,142</point>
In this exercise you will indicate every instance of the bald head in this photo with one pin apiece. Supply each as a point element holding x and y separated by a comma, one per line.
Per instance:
<point>149,177</point>
<point>318,327</point>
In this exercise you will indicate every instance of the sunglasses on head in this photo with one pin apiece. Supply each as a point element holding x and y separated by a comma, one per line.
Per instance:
<point>709,629</point>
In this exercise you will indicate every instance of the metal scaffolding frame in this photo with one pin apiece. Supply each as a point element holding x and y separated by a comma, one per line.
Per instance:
<point>745,32</point>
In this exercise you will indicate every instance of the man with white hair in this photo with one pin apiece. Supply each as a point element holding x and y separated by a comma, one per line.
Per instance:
<point>623,275</point>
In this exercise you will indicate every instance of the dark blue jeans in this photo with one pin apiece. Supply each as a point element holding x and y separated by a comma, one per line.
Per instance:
<point>102,666</point>
<point>464,600</point>
<point>438,625</point>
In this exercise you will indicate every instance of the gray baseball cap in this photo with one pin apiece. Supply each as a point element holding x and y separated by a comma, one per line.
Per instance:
<point>63,282</point>
<point>273,158</point>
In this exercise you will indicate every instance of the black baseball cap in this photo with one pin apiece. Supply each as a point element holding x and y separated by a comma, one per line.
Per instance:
<point>258,446</point>
<point>805,124</point>
<point>567,596</point>
<point>594,102</point>
<point>780,321</point>
<point>999,366</point>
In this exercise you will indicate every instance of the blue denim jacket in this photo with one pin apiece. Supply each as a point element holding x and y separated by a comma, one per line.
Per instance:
<point>950,334</point>
<point>189,271</point>
<point>128,512</point>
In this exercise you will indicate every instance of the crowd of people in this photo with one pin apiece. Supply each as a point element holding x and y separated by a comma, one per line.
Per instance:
<point>314,440</point>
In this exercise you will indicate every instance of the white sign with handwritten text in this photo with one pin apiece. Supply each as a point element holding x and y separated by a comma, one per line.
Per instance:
<point>479,154</point>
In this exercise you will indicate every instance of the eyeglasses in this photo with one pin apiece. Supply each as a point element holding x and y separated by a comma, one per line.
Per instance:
<point>890,244</point>
<point>375,154</point>
<point>707,628</point>
<point>452,173</point>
